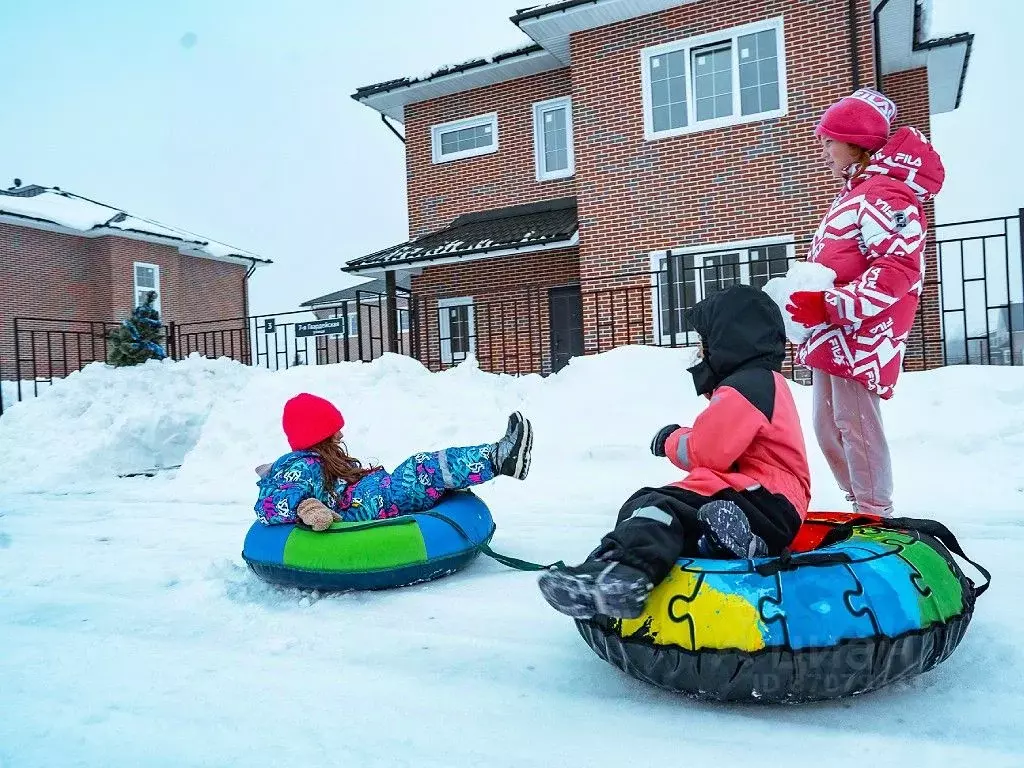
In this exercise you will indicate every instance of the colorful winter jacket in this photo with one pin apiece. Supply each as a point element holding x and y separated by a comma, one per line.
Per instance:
<point>873,237</point>
<point>293,478</point>
<point>749,435</point>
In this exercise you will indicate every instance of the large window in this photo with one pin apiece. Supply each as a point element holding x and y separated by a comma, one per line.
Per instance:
<point>457,325</point>
<point>552,139</point>
<point>697,273</point>
<point>731,77</point>
<point>465,138</point>
<point>147,278</point>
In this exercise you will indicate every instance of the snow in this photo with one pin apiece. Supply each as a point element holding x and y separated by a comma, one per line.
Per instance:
<point>78,213</point>
<point>104,421</point>
<point>133,634</point>
<point>802,276</point>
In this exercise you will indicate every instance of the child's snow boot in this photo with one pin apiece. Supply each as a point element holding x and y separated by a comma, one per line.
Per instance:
<point>511,454</point>
<point>596,586</point>
<point>727,532</point>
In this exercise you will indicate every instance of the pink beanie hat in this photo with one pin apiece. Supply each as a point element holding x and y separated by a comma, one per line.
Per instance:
<point>863,119</point>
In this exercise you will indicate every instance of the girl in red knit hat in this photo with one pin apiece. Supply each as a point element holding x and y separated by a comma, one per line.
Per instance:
<point>319,482</point>
<point>873,238</point>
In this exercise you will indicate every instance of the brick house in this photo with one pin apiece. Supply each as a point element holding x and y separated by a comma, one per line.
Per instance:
<point>362,317</point>
<point>83,266</point>
<point>578,193</point>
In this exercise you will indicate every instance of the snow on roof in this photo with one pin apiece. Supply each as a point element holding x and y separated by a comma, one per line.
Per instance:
<point>52,205</point>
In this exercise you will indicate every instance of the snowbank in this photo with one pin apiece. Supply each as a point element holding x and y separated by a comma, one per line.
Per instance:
<point>102,421</point>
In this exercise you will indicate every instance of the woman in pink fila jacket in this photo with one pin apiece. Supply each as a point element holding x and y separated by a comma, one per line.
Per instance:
<point>873,238</point>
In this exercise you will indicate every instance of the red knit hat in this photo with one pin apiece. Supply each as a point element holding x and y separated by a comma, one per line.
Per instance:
<point>863,119</point>
<point>308,420</point>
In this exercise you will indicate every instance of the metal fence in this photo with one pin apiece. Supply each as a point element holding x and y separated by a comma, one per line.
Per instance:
<point>971,312</point>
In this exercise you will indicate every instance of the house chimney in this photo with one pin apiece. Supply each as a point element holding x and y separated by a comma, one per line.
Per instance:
<point>17,183</point>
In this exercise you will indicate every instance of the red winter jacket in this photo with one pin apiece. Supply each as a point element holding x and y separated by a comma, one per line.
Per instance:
<point>873,237</point>
<point>749,435</point>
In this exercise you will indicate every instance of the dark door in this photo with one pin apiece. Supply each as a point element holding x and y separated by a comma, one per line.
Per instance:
<point>565,306</point>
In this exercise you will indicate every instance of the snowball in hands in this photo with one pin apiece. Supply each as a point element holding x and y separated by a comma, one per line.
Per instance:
<point>802,276</point>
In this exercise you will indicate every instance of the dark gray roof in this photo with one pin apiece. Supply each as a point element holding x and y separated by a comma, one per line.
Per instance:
<point>405,82</point>
<point>537,11</point>
<point>518,227</point>
<point>402,282</point>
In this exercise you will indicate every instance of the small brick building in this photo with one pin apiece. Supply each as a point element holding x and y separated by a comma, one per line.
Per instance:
<point>580,192</point>
<point>82,266</point>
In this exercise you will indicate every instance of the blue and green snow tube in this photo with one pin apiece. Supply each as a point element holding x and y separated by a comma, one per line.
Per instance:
<point>376,554</point>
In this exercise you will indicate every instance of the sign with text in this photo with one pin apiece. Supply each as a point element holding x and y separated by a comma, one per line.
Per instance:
<point>320,327</point>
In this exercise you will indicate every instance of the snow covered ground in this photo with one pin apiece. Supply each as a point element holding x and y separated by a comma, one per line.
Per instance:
<point>132,633</point>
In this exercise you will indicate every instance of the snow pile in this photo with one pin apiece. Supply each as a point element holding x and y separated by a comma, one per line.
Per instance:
<point>103,421</point>
<point>802,276</point>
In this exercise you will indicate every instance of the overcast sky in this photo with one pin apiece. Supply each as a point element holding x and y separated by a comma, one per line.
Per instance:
<point>233,118</point>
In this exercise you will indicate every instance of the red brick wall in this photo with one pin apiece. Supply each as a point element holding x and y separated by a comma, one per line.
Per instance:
<point>718,186</point>
<point>439,193</point>
<point>513,331</point>
<point>79,280</point>
<point>924,350</point>
<point>371,341</point>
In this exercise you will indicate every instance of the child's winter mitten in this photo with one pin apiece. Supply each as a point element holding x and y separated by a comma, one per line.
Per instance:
<point>316,515</point>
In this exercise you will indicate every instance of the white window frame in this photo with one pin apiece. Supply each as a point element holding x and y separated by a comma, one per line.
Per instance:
<point>436,132</point>
<point>686,46</point>
<point>352,322</point>
<point>538,138</point>
<point>689,338</point>
<point>444,327</point>
<point>135,282</point>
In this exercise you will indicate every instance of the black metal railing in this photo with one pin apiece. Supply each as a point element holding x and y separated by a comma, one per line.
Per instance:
<point>971,312</point>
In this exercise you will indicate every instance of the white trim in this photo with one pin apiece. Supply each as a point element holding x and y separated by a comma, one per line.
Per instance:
<point>436,131</point>
<point>444,328</point>
<point>393,102</point>
<point>372,269</point>
<point>686,46</point>
<point>349,317</point>
<point>689,338</point>
<point>135,282</point>
<point>539,149</point>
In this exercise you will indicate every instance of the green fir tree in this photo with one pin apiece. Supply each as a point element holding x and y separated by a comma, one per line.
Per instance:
<point>138,338</point>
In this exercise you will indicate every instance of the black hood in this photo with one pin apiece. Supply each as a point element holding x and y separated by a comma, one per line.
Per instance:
<point>741,328</point>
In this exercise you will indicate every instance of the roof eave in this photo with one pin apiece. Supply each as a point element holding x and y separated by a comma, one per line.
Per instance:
<point>391,98</point>
<point>486,253</point>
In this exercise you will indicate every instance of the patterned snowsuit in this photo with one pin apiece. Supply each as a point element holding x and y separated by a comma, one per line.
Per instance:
<point>417,484</point>
<point>873,237</point>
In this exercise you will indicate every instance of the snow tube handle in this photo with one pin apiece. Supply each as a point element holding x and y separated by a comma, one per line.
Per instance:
<point>937,530</point>
<point>788,562</point>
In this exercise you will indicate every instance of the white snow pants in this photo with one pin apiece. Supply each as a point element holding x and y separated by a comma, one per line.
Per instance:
<point>848,425</point>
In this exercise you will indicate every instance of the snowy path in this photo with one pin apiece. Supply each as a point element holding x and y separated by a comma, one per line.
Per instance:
<point>133,635</point>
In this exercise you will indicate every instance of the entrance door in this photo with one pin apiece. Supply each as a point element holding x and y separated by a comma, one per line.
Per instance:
<point>565,308</point>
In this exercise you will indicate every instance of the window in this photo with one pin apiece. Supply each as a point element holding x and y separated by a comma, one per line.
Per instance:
<point>726,78</point>
<point>465,138</point>
<point>457,325</point>
<point>352,323</point>
<point>552,139</point>
<point>147,278</point>
<point>699,272</point>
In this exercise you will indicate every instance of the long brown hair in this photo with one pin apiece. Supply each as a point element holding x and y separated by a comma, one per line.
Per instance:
<point>338,465</point>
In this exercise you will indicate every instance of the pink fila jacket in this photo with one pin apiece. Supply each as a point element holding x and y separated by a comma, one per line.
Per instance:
<point>873,237</point>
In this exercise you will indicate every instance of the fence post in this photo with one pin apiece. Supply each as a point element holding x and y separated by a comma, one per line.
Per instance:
<point>670,277</point>
<point>172,344</point>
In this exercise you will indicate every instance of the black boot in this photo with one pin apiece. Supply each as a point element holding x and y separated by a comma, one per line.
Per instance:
<point>596,586</point>
<point>511,454</point>
<point>728,532</point>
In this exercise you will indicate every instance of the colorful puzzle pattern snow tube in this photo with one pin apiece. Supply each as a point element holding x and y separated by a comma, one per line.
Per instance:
<point>879,605</point>
<point>377,554</point>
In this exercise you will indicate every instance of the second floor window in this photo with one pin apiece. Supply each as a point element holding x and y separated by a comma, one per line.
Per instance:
<point>552,139</point>
<point>464,138</point>
<point>716,80</point>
